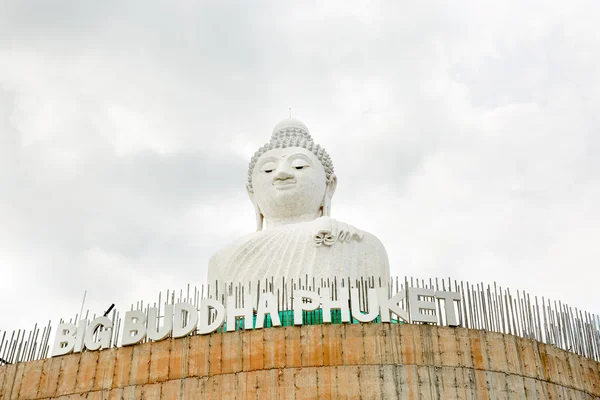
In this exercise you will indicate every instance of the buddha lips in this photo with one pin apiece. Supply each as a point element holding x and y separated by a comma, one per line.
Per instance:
<point>182,319</point>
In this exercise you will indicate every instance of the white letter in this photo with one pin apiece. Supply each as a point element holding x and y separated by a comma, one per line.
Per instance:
<point>417,305</point>
<point>134,328</point>
<point>299,305</point>
<point>232,313</point>
<point>184,325</point>
<point>65,339</point>
<point>449,299</point>
<point>204,325</point>
<point>373,306</point>
<point>391,305</point>
<point>341,304</point>
<point>159,333</point>
<point>80,336</point>
<point>103,335</point>
<point>267,305</point>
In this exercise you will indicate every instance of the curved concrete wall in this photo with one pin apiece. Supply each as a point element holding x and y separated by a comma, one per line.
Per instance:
<point>370,361</point>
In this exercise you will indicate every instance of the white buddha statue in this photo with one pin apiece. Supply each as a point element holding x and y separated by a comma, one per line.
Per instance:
<point>291,183</point>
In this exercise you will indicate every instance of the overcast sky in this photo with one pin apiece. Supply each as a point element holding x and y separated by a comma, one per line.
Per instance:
<point>465,135</point>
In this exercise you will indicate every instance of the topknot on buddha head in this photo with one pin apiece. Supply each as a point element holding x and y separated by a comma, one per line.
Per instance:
<point>290,127</point>
<point>292,133</point>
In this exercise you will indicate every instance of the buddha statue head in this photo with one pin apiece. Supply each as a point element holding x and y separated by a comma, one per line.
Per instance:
<point>290,179</point>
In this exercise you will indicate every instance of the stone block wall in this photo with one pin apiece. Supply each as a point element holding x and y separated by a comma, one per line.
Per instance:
<point>368,361</point>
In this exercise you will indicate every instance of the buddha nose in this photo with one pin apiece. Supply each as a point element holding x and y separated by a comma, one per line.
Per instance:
<point>283,173</point>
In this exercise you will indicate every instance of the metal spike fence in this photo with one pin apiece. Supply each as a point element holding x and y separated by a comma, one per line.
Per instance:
<point>485,307</point>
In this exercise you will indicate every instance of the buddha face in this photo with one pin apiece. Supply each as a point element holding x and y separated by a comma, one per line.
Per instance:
<point>289,183</point>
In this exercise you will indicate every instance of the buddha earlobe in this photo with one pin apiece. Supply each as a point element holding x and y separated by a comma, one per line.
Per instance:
<point>259,219</point>
<point>259,216</point>
<point>326,207</point>
<point>329,191</point>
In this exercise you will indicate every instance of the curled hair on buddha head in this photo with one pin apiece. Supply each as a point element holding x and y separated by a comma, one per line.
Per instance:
<point>292,133</point>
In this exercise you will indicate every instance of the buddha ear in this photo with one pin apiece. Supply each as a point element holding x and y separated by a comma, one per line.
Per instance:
<point>259,216</point>
<point>329,191</point>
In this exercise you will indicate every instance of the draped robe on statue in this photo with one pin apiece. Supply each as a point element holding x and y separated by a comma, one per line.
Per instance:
<point>322,248</point>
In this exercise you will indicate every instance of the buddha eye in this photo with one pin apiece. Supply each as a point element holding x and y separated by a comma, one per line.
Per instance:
<point>299,163</point>
<point>268,167</point>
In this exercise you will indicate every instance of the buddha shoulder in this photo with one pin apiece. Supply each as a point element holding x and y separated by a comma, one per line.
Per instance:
<point>221,255</point>
<point>323,231</point>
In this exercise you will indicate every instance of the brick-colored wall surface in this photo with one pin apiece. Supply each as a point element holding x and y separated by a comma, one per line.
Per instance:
<point>368,361</point>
